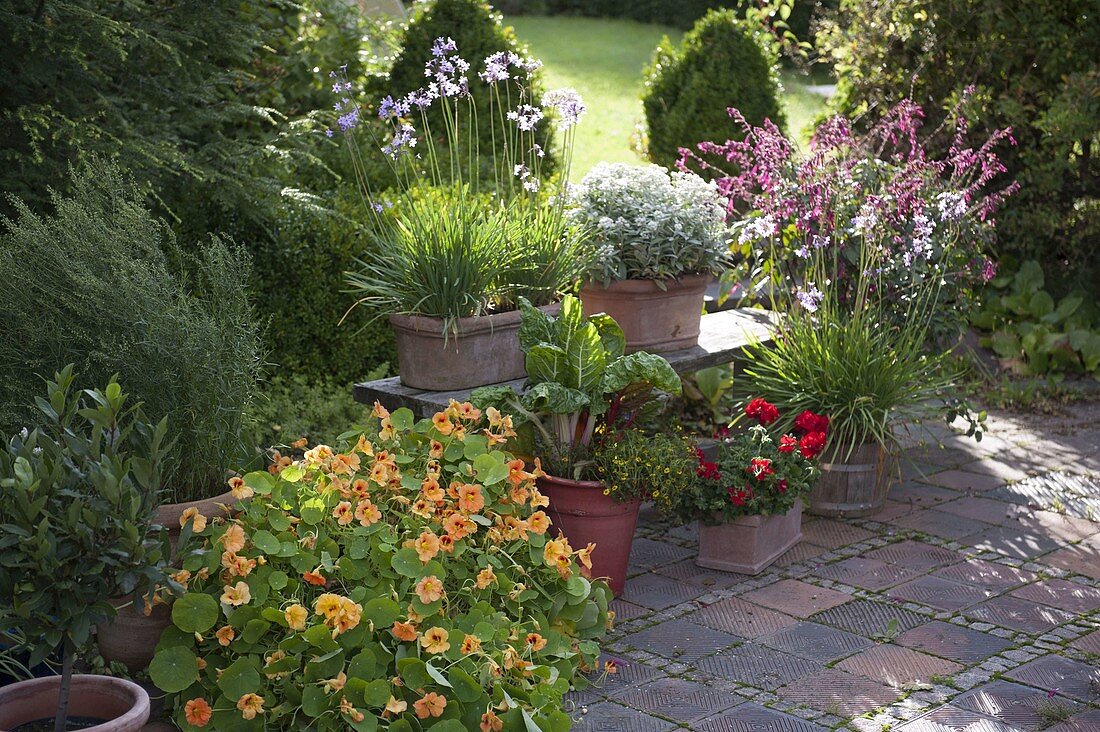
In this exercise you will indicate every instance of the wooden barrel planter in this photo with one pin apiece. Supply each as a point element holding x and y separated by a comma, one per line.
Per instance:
<point>855,487</point>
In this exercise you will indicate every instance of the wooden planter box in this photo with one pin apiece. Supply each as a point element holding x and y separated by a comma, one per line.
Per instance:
<point>748,545</point>
<point>856,487</point>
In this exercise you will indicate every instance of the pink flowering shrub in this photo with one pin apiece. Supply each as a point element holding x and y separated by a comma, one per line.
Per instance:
<point>807,219</point>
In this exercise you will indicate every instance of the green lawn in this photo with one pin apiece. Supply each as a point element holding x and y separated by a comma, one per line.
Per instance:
<point>603,60</point>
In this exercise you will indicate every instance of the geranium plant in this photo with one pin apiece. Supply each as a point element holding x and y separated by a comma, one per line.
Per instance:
<point>408,578</point>
<point>77,499</point>
<point>648,223</point>
<point>579,382</point>
<point>761,471</point>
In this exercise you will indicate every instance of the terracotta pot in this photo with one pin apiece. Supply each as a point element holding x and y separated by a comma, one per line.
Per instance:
<point>122,704</point>
<point>855,487</point>
<point>168,514</point>
<point>585,515</point>
<point>653,319</point>
<point>485,351</point>
<point>131,638</point>
<point>749,544</point>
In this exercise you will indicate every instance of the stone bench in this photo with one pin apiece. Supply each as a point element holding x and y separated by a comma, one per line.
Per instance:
<point>722,338</point>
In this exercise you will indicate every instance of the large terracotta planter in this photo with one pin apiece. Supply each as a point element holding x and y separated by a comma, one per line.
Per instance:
<point>168,514</point>
<point>653,319</point>
<point>580,510</point>
<point>855,487</point>
<point>749,544</point>
<point>122,704</point>
<point>485,351</point>
<point>132,637</point>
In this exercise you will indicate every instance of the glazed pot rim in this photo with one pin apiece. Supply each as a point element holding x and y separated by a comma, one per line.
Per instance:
<point>137,714</point>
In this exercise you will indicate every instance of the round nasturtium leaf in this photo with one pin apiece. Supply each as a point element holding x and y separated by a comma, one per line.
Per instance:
<point>239,678</point>
<point>195,613</point>
<point>174,669</point>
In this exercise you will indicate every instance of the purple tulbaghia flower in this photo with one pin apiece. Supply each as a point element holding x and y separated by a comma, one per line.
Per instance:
<point>377,207</point>
<point>388,108</point>
<point>404,138</point>
<point>526,117</point>
<point>537,151</point>
<point>348,121</point>
<point>337,88</point>
<point>496,67</point>
<point>531,184</point>
<point>756,229</point>
<point>567,105</point>
<point>443,46</point>
<point>810,297</point>
<point>420,99</point>
<point>329,132</point>
<point>952,206</point>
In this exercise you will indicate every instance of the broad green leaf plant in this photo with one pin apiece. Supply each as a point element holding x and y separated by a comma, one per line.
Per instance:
<point>579,379</point>
<point>77,499</point>
<point>405,579</point>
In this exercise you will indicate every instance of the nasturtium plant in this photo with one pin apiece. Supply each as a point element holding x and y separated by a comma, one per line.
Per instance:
<point>407,579</point>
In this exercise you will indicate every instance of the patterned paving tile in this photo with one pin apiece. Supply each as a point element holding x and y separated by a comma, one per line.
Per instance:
<point>940,593</point>
<point>688,571</point>
<point>755,718</point>
<point>610,717</point>
<point>799,553</point>
<point>658,593</point>
<point>1076,495</point>
<point>869,574</point>
<point>1071,678</point>
<point>759,666</point>
<point>994,576</point>
<point>793,597</point>
<point>897,666</point>
<point>645,554</point>
<point>679,639</point>
<point>1012,542</point>
<point>941,523</point>
<point>1057,525</point>
<point>1019,614</point>
<point>741,618</point>
<point>965,480</point>
<point>952,719</point>
<point>1088,643</point>
<point>627,610</point>
<point>628,672</point>
<point>683,701</point>
<point>1083,558</point>
<point>921,494</point>
<point>954,642</point>
<point>1086,722</point>
<point>1062,594</point>
<point>831,534</point>
<point>1020,706</point>
<point>815,642</point>
<point>869,618</point>
<point>985,510</point>
<point>915,555</point>
<point>833,689</point>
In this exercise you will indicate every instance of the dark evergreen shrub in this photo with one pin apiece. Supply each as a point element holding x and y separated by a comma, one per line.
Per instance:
<point>722,62</point>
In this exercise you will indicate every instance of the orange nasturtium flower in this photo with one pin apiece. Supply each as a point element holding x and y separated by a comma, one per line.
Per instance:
<point>430,705</point>
<point>346,707</point>
<point>535,641</point>
<point>443,423</point>
<point>557,553</point>
<point>250,705</point>
<point>394,707</point>
<point>429,589</point>
<point>470,644</point>
<point>193,513</point>
<point>490,722</point>
<point>239,490</point>
<point>403,631</point>
<point>197,712</point>
<point>538,522</point>
<point>435,640</point>
<point>314,578</point>
<point>343,513</point>
<point>327,604</point>
<point>485,578</point>
<point>237,594</point>
<point>233,538</point>
<point>426,546</point>
<point>470,499</point>
<point>225,635</point>
<point>296,616</point>
<point>366,513</point>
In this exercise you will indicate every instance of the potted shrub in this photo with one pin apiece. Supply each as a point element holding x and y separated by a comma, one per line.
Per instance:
<point>656,237</point>
<point>452,255</point>
<point>749,489</point>
<point>403,578</point>
<point>581,387</point>
<point>77,508</point>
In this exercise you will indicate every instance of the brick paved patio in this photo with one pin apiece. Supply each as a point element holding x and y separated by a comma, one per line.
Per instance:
<point>970,602</point>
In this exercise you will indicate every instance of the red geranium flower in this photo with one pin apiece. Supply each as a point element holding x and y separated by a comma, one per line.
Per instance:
<point>739,496</point>
<point>762,411</point>
<point>808,422</point>
<point>788,443</point>
<point>761,468</point>
<point>811,444</point>
<point>781,486</point>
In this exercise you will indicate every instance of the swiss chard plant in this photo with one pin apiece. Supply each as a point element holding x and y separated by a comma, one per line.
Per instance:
<point>579,380</point>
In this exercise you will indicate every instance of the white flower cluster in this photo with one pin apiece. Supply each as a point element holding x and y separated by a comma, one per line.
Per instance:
<point>648,223</point>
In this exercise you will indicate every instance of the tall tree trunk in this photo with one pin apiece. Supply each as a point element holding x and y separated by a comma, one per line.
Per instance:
<point>63,693</point>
